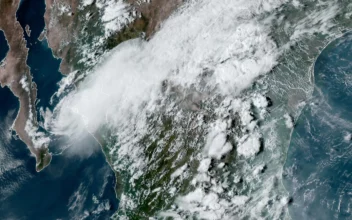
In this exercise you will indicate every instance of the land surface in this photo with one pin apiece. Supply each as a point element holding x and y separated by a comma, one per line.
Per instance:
<point>12,72</point>
<point>63,33</point>
<point>155,12</point>
<point>62,29</point>
<point>150,17</point>
<point>28,30</point>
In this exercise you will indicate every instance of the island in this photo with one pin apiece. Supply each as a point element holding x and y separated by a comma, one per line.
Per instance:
<point>15,74</point>
<point>28,30</point>
<point>62,29</point>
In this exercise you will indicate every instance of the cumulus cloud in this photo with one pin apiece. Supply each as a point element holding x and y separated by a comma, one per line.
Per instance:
<point>223,38</point>
<point>236,48</point>
<point>115,14</point>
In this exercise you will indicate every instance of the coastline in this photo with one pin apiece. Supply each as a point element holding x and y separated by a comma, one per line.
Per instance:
<point>15,74</point>
<point>97,137</point>
<point>312,72</point>
<point>60,29</point>
<point>61,33</point>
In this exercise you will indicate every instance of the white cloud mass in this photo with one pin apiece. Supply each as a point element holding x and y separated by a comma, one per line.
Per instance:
<point>235,47</point>
<point>231,43</point>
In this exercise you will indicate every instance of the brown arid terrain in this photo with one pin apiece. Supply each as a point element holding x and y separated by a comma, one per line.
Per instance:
<point>62,29</point>
<point>14,70</point>
<point>150,16</point>
<point>62,33</point>
<point>155,12</point>
<point>28,30</point>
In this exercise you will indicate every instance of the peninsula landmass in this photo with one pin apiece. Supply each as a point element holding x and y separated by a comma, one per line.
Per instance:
<point>15,74</point>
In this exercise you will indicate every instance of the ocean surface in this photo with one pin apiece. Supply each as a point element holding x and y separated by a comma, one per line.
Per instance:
<point>318,171</point>
<point>72,186</point>
<point>44,67</point>
<point>3,46</point>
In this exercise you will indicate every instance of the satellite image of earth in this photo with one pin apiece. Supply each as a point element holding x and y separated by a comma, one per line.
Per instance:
<point>175,109</point>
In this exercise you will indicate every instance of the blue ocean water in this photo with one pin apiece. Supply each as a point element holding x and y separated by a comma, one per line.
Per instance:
<point>3,46</point>
<point>72,186</point>
<point>318,171</point>
<point>44,67</point>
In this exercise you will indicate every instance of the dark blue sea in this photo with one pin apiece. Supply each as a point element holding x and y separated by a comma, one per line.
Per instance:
<point>318,171</point>
<point>44,67</point>
<point>3,46</point>
<point>72,186</point>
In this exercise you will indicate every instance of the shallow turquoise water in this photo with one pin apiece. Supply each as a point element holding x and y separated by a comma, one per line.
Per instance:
<point>318,171</point>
